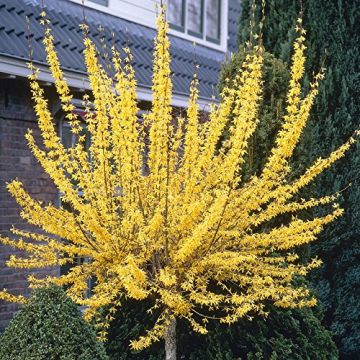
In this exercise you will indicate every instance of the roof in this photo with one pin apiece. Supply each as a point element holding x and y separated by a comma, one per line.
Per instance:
<point>66,17</point>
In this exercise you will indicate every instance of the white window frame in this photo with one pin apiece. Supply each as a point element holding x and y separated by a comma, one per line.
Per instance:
<point>203,35</point>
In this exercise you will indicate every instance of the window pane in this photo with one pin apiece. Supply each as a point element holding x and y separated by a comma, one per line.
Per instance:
<point>213,19</point>
<point>175,12</point>
<point>67,136</point>
<point>101,2</point>
<point>195,16</point>
<point>65,269</point>
<point>69,140</point>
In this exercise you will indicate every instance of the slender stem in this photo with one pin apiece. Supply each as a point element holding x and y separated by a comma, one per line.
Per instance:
<point>170,340</point>
<point>167,180</point>
<point>221,218</point>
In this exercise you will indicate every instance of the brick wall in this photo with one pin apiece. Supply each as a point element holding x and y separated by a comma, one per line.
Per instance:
<point>16,161</point>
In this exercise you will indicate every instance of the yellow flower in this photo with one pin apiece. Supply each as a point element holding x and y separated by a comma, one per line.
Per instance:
<point>185,223</point>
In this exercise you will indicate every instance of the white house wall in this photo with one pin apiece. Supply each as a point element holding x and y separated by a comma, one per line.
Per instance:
<point>144,12</point>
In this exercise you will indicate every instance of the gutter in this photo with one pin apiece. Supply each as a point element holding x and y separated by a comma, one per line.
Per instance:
<point>17,66</point>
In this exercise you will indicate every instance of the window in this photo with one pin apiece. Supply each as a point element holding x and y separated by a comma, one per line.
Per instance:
<point>213,20</point>
<point>69,139</point>
<point>100,2</point>
<point>176,13</point>
<point>195,17</point>
<point>64,269</point>
<point>200,18</point>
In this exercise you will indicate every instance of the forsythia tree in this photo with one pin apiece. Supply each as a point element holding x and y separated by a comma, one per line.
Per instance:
<point>171,221</point>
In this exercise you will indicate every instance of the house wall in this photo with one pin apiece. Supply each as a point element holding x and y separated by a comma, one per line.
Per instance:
<point>16,161</point>
<point>139,11</point>
<point>144,12</point>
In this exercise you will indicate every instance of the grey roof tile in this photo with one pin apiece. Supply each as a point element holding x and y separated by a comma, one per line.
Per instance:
<point>66,17</point>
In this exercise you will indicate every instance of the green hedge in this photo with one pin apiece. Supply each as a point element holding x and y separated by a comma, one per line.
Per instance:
<point>284,335</point>
<point>50,327</point>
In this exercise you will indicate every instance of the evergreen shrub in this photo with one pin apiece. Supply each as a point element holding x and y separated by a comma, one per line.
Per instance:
<point>50,327</point>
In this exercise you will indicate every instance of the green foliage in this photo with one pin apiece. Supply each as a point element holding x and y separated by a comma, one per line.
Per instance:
<point>279,25</point>
<point>276,78</point>
<point>333,38</point>
<point>284,335</point>
<point>50,327</point>
<point>272,108</point>
<point>131,321</point>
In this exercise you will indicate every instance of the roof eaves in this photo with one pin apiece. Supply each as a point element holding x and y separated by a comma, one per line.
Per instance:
<point>78,79</point>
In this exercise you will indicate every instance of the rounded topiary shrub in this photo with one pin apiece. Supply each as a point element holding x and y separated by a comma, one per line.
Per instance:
<point>50,327</point>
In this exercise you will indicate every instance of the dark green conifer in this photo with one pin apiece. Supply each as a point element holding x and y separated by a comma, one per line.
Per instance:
<point>334,39</point>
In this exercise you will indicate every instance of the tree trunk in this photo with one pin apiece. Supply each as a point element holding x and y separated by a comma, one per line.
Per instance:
<point>170,341</point>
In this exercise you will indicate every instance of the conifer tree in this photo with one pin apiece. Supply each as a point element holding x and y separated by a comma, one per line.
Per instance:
<point>187,233</point>
<point>332,39</point>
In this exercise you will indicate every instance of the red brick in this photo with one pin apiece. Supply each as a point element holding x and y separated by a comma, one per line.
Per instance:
<point>16,161</point>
